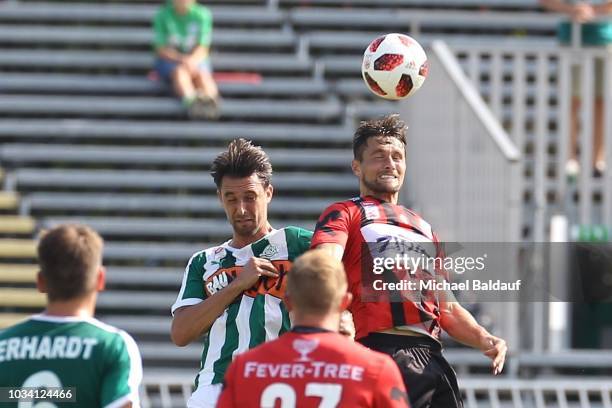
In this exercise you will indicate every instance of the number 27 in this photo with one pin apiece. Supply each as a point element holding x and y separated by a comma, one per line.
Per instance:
<point>330,395</point>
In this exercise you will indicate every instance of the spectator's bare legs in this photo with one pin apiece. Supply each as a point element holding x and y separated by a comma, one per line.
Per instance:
<point>205,83</point>
<point>575,129</point>
<point>598,159</point>
<point>182,83</point>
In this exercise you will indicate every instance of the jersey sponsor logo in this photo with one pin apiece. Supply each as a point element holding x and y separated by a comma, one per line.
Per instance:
<point>264,286</point>
<point>269,252</point>
<point>46,347</point>
<point>305,347</point>
<point>397,237</point>
<point>312,369</point>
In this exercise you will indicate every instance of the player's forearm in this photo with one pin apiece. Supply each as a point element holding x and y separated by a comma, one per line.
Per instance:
<point>190,322</point>
<point>335,250</point>
<point>461,326</point>
<point>557,5</point>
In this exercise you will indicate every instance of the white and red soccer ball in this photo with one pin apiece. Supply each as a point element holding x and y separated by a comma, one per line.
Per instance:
<point>394,66</point>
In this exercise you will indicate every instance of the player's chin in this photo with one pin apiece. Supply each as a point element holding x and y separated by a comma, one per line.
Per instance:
<point>388,187</point>
<point>245,228</point>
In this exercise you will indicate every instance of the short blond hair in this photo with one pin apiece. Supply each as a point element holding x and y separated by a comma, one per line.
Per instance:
<point>316,283</point>
<point>69,257</point>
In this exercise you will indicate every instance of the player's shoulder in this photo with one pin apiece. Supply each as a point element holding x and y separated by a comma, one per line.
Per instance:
<point>207,253</point>
<point>164,11</point>
<point>16,329</point>
<point>201,11</point>
<point>297,232</point>
<point>350,205</point>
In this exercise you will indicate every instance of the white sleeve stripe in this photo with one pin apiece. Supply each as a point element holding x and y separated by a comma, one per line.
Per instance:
<point>135,376</point>
<point>185,302</point>
<point>119,402</point>
<point>185,275</point>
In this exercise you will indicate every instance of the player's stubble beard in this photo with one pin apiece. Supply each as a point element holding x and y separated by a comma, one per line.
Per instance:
<point>379,188</point>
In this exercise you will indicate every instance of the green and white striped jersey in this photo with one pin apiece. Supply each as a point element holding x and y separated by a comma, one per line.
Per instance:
<point>101,362</point>
<point>257,315</point>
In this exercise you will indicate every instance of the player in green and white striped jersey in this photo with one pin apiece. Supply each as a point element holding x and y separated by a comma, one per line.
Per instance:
<point>232,293</point>
<point>65,347</point>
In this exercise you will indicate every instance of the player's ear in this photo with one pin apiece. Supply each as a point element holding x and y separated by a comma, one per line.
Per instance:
<point>269,192</point>
<point>101,279</point>
<point>346,301</point>
<point>41,282</point>
<point>219,196</point>
<point>356,167</point>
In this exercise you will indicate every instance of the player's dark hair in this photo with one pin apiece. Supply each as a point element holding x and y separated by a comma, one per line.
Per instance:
<point>69,257</point>
<point>242,159</point>
<point>387,126</point>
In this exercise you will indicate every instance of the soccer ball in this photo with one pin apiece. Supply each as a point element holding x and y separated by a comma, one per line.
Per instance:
<point>394,66</point>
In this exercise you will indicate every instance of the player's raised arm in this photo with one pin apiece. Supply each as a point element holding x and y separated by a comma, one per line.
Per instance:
<point>190,322</point>
<point>463,327</point>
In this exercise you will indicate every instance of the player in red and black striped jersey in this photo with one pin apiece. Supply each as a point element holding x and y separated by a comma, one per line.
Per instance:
<point>313,365</point>
<point>408,327</point>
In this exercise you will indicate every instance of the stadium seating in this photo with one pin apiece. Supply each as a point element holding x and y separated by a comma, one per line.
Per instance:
<point>88,135</point>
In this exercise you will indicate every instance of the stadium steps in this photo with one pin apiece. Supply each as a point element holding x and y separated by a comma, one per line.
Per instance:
<point>446,4</point>
<point>138,38</point>
<point>133,131</point>
<point>169,227</point>
<point>130,14</point>
<point>13,248</point>
<point>343,66</point>
<point>162,156</point>
<point>390,20</point>
<point>139,85</point>
<point>21,298</point>
<point>45,203</point>
<point>16,225</point>
<point>148,301</point>
<point>263,109</point>
<point>18,273</point>
<point>353,43</point>
<point>141,61</point>
<point>9,201</point>
<point>28,178</point>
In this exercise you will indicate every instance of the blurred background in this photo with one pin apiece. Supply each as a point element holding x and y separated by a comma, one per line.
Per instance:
<point>89,134</point>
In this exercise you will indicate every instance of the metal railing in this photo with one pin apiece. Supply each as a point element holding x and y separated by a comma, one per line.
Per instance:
<point>171,391</point>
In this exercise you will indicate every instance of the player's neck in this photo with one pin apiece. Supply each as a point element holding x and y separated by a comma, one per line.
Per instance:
<point>82,307</point>
<point>330,322</point>
<point>387,197</point>
<point>240,241</point>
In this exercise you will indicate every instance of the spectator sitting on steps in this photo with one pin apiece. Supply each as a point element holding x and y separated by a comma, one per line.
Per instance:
<point>183,31</point>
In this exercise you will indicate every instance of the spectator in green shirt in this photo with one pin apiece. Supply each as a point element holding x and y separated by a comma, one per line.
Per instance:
<point>595,31</point>
<point>183,31</point>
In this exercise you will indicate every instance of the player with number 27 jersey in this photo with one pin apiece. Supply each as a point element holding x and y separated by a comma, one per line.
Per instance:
<point>309,368</point>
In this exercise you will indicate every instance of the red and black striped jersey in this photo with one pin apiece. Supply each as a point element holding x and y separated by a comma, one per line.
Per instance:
<point>361,224</point>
